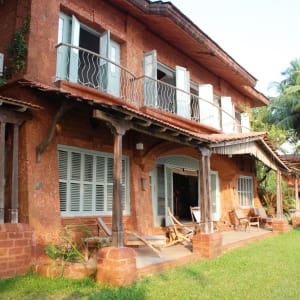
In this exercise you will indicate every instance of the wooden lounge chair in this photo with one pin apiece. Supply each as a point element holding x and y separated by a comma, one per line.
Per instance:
<point>264,218</point>
<point>132,238</point>
<point>179,232</point>
<point>196,217</point>
<point>243,221</point>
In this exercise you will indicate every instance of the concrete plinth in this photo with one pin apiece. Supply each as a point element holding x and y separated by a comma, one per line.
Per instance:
<point>208,245</point>
<point>280,225</point>
<point>116,266</point>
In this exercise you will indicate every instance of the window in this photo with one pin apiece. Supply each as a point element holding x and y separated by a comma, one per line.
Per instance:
<point>162,94</point>
<point>215,195</point>
<point>245,191</point>
<point>84,66</point>
<point>86,182</point>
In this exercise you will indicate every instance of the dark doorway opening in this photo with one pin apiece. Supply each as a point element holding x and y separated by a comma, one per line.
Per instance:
<point>185,191</point>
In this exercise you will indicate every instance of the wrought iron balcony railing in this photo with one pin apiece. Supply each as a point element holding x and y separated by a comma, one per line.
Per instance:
<point>168,98</point>
<point>90,69</point>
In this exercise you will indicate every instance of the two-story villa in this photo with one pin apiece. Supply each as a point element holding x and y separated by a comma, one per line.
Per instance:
<point>124,108</point>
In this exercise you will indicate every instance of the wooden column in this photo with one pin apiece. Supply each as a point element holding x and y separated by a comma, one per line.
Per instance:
<point>14,179</point>
<point>297,193</point>
<point>205,191</point>
<point>16,119</point>
<point>279,211</point>
<point>117,216</point>
<point>118,128</point>
<point>2,170</point>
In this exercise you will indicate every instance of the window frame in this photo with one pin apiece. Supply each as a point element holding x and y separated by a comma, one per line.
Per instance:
<point>215,196</point>
<point>68,181</point>
<point>246,196</point>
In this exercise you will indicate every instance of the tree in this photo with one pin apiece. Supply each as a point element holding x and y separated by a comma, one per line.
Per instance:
<point>262,120</point>
<point>285,108</point>
<point>281,121</point>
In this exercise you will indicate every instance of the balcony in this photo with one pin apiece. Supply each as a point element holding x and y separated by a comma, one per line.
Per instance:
<point>84,67</point>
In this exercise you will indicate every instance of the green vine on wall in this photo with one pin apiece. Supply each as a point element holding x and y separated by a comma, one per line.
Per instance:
<point>17,49</point>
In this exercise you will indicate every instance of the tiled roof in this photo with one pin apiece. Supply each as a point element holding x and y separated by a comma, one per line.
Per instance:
<point>291,157</point>
<point>18,102</point>
<point>293,161</point>
<point>45,88</point>
<point>214,139</point>
<point>229,137</point>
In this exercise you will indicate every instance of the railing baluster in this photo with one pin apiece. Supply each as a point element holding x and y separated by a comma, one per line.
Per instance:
<point>97,72</point>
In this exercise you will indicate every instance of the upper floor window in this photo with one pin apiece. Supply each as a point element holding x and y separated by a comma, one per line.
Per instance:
<point>86,182</point>
<point>87,57</point>
<point>245,191</point>
<point>174,92</point>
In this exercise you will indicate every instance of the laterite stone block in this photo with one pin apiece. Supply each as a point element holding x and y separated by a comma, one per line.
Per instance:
<point>208,245</point>
<point>116,266</point>
<point>296,221</point>
<point>280,225</point>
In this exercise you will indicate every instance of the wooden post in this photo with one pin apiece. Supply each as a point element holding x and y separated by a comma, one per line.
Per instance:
<point>2,170</point>
<point>14,179</point>
<point>17,119</point>
<point>205,191</point>
<point>297,193</point>
<point>117,216</point>
<point>118,128</point>
<point>279,211</point>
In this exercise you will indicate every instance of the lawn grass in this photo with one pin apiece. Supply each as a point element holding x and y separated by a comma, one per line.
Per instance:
<point>268,269</point>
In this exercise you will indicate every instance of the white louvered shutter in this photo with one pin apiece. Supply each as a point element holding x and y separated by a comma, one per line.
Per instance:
<point>110,182</point>
<point>88,183</point>
<point>228,117</point>
<point>209,113</point>
<point>100,181</point>
<point>74,202</point>
<point>63,176</point>
<point>245,122</point>
<point>183,106</point>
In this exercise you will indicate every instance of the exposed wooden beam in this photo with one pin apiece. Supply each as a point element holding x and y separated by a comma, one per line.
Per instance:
<point>175,133</point>
<point>110,119</point>
<point>162,129</point>
<point>128,117</point>
<point>13,117</point>
<point>145,123</point>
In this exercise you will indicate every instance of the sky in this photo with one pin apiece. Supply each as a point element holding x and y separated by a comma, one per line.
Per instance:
<point>263,36</point>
